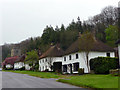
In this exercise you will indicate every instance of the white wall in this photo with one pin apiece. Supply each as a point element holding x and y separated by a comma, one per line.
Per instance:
<point>27,67</point>
<point>43,64</point>
<point>9,66</point>
<point>82,59</point>
<point>18,65</point>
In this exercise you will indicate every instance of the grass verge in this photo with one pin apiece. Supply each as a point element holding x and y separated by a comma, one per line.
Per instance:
<point>37,74</point>
<point>93,81</point>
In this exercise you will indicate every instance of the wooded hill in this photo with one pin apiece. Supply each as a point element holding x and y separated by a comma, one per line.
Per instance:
<point>104,26</point>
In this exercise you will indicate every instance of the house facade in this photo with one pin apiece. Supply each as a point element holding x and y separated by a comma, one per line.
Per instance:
<point>118,42</point>
<point>9,62</point>
<point>51,60</point>
<point>72,62</point>
<point>19,63</point>
<point>74,59</point>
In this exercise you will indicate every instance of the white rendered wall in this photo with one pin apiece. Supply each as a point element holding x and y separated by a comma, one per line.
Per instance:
<point>43,65</point>
<point>9,66</point>
<point>27,67</point>
<point>19,65</point>
<point>82,59</point>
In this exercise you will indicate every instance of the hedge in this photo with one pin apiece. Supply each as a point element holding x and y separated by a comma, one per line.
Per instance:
<point>102,65</point>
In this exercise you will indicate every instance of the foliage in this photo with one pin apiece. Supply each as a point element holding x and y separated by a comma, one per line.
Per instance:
<point>32,58</point>
<point>111,34</point>
<point>81,71</point>
<point>99,24</point>
<point>102,65</point>
<point>36,68</point>
<point>5,51</point>
<point>23,68</point>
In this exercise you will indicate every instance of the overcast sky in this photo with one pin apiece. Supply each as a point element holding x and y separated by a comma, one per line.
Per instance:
<point>21,19</point>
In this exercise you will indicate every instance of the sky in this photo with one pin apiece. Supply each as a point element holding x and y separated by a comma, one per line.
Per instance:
<point>22,19</point>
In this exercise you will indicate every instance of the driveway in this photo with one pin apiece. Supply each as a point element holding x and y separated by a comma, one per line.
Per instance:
<point>15,80</point>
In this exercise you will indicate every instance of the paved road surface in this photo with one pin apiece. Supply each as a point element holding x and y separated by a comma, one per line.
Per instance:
<point>14,80</point>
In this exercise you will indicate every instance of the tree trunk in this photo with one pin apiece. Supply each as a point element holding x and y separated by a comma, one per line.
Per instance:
<point>87,63</point>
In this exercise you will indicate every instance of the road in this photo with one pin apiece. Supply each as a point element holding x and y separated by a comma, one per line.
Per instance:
<point>15,80</point>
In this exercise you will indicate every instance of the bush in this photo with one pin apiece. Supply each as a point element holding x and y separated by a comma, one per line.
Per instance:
<point>102,65</point>
<point>81,71</point>
<point>23,68</point>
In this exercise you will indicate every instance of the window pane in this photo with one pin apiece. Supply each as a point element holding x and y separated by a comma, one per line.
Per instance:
<point>70,57</point>
<point>64,58</point>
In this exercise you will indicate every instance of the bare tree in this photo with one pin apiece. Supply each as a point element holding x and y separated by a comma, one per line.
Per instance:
<point>86,43</point>
<point>50,63</point>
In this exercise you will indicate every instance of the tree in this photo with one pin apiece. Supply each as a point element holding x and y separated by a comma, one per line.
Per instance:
<point>50,63</point>
<point>86,43</point>
<point>32,58</point>
<point>111,34</point>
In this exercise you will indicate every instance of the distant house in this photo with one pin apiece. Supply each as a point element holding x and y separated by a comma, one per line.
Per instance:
<point>118,42</point>
<point>19,63</point>
<point>9,62</point>
<point>74,59</point>
<point>51,60</point>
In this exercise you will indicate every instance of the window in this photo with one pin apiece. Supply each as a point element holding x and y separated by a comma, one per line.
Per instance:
<point>64,58</point>
<point>46,60</point>
<point>76,56</point>
<point>64,68</point>
<point>76,66</point>
<point>108,54</point>
<point>43,60</point>
<point>70,57</point>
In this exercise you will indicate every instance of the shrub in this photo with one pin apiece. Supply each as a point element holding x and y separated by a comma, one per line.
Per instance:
<point>36,67</point>
<point>102,65</point>
<point>81,71</point>
<point>23,68</point>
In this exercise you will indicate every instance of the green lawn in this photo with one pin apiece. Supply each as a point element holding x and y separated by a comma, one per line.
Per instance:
<point>93,81</point>
<point>37,74</point>
<point>88,80</point>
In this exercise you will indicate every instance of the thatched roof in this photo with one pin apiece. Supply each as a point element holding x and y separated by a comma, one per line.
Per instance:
<point>118,42</point>
<point>98,46</point>
<point>53,51</point>
<point>21,59</point>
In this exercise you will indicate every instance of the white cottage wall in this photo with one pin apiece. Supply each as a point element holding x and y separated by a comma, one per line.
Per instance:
<point>81,59</point>
<point>43,63</point>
